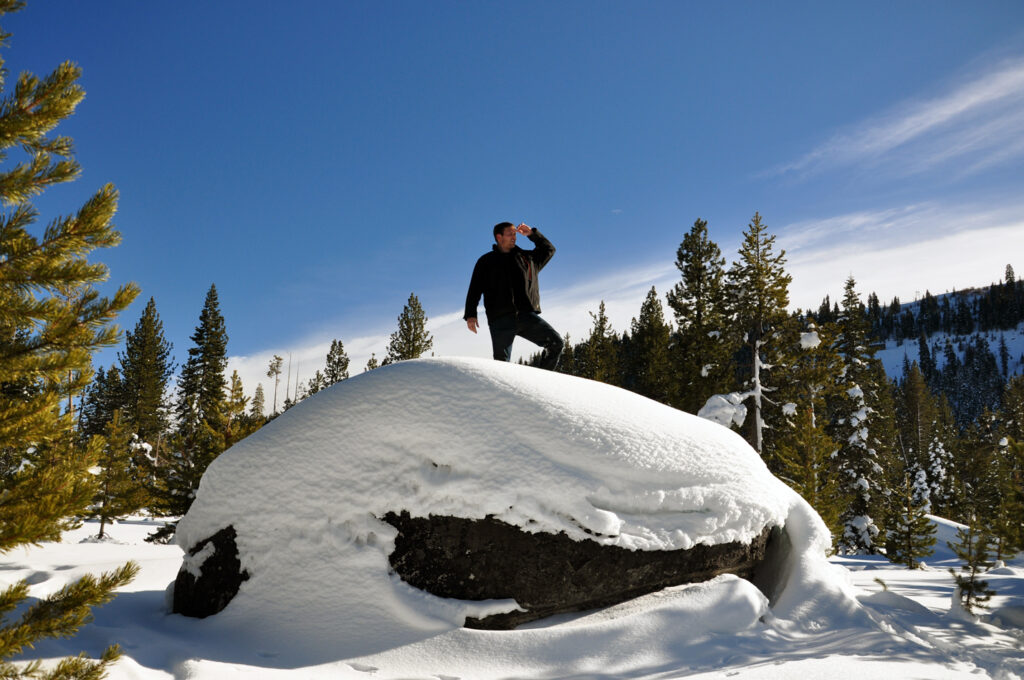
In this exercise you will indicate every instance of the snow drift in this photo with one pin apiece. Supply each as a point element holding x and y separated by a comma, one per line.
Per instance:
<point>474,439</point>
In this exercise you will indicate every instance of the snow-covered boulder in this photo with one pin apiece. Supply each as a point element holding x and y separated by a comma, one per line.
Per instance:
<point>307,497</point>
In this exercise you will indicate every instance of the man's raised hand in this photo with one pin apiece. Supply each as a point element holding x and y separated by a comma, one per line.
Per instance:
<point>524,229</point>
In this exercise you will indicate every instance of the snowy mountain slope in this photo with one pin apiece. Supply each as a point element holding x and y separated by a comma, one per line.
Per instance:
<point>893,353</point>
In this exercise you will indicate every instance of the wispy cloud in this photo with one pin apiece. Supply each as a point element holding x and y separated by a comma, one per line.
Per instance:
<point>902,251</point>
<point>977,122</point>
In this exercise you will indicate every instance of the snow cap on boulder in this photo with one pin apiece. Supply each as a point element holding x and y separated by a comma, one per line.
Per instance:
<point>465,438</point>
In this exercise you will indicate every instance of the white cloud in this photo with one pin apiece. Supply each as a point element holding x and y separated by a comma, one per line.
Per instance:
<point>977,122</point>
<point>901,252</point>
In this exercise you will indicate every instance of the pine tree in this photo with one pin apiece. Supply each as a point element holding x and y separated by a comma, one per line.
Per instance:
<point>861,415</point>
<point>201,413</point>
<point>121,491</point>
<point>51,322</point>
<point>317,382</point>
<point>411,340</point>
<point>240,422</point>
<point>974,547</point>
<point>598,357</point>
<point>805,450</point>
<point>1005,520</point>
<point>274,371</point>
<point>648,369</point>
<point>371,363</point>
<point>568,362</point>
<point>257,405</point>
<point>758,294</point>
<point>701,351</point>
<point>146,369</point>
<point>929,370</point>
<point>337,364</point>
<point>100,400</point>
<point>911,534</point>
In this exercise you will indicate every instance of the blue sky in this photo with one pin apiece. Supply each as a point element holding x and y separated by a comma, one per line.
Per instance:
<point>319,161</point>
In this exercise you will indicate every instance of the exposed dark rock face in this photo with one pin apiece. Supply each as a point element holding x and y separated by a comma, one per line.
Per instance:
<point>221,576</point>
<point>547,573</point>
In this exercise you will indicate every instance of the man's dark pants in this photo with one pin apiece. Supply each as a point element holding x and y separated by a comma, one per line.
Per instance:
<point>529,325</point>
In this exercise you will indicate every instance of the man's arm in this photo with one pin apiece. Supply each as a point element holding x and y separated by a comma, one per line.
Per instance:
<point>476,289</point>
<point>542,251</point>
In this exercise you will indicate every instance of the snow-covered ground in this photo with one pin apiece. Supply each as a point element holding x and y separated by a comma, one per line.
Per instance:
<point>541,451</point>
<point>713,630</point>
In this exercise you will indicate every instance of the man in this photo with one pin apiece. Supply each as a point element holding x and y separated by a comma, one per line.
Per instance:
<point>507,278</point>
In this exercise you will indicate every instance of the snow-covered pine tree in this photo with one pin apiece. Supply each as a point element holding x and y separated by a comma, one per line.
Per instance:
<point>757,287</point>
<point>647,366</point>
<point>201,410</point>
<point>412,339</point>
<point>940,461</point>
<point>974,547</point>
<point>52,320</point>
<point>861,424</point>
<point>805,450</point>
<point>146,369</point>
<point>910,535</point>
<point>1012,409</point>
<point>925,435</point>
<point>337,364</point>
<point>702,352</point>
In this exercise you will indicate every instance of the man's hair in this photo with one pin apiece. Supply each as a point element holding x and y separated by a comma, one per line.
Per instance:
<point>501,226</point>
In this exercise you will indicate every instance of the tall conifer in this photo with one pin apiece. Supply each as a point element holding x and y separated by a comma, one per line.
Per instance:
<point>701,349</point>
<point>598,358</point>
<point>758,290</point>
<point>805,451</point>
<point>861,423</point>
<point>648,369</point>
<point>51,322</point>
<point>201,409</point>
<point>146,369</point>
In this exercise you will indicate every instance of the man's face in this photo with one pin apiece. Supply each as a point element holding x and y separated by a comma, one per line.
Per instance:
<point>507,239</point>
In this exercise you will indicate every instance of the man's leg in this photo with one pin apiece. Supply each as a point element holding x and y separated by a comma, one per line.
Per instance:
<point>503,332</point>
<point>537,331</point>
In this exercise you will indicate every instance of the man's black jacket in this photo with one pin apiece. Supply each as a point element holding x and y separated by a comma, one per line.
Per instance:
<point>508,281</point>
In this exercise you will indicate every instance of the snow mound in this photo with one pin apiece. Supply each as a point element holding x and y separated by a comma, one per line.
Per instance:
<point>469,438</point>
